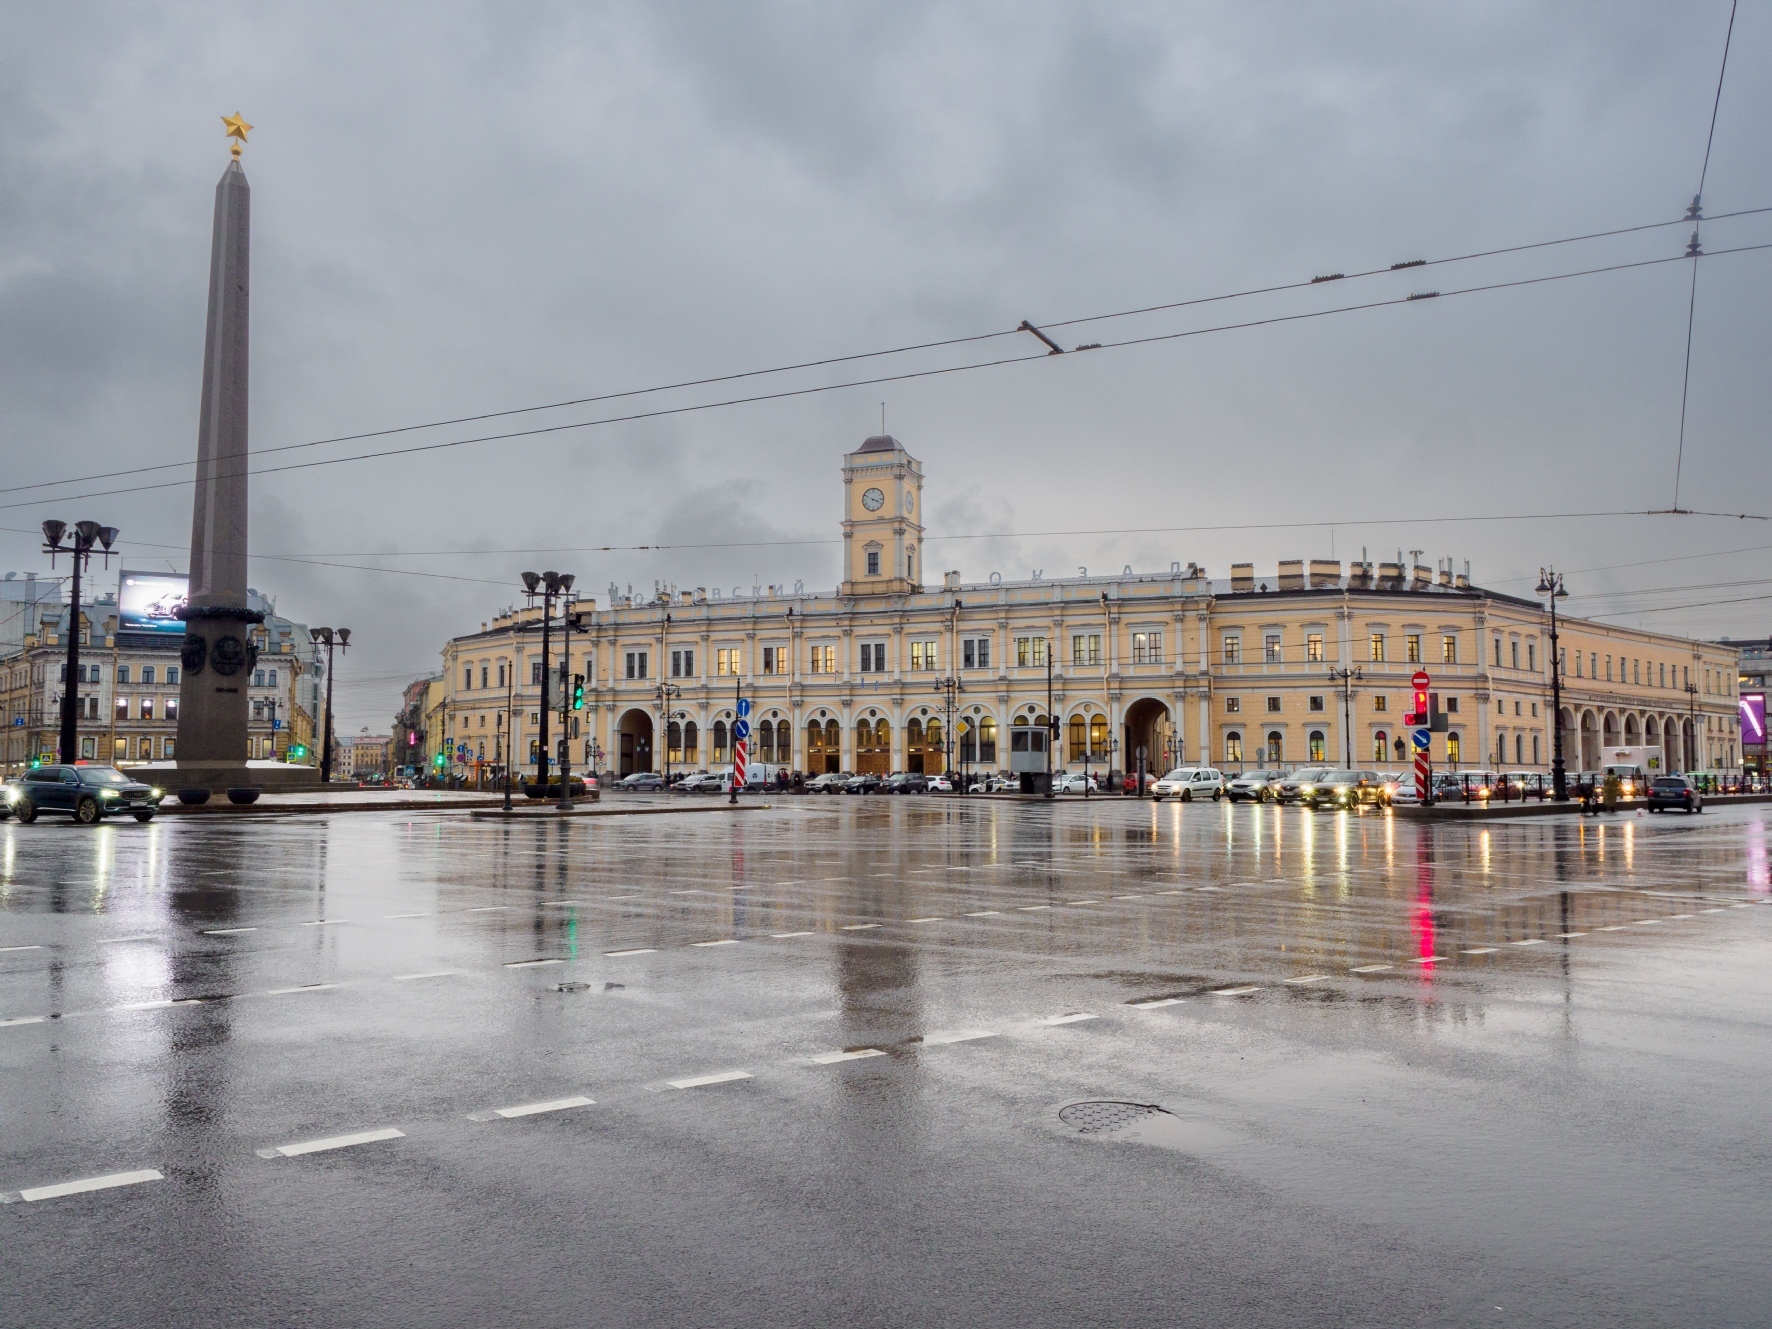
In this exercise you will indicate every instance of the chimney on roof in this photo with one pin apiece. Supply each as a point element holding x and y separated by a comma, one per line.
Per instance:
<point>1292,574</point>
<point>1325,572</point>
<point>1242,577</point>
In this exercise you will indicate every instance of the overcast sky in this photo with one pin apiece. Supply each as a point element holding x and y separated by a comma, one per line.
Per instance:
<point>469,208</point>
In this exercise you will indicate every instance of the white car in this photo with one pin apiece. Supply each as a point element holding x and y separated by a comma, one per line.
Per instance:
<point>1401,791</point>
<point>701,782</point>
<point>940,784</point>
<point>1073,782</point>
<point>1188,783</point>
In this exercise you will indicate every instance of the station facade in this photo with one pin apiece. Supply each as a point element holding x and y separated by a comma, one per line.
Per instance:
<point>1156,669</point>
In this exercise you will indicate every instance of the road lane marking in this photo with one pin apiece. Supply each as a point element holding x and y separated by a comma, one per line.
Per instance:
<point>1733,906</point>
<point>560,904</point>
<point>1309,978</point>
<point>22,1019</point>
<point>1425,959</point>
<point>331,1142</point>
<point>957,1036</point>
<point>1616,927</point>
<point>1155,1002</point>
<point>112,941</point>
<point>1368,968</point>
<point>1530,941</point>
<point>1711,911</point>
<point>1571,934</point>
<point>857,927</point>
<point>1076,1017</point>
<point>1649,922</point>
<point>551,1105</point>
<point>225,932</point>
<point>832,1058</point>
<point>161,1004</point>
<point>1127,897</point>
<point>488,909</point>
<point>305,987</point>
<point>31,1194</point>
<point>435,973</point>
<point>1482,950</point>
<point>696,1081</point>
<point>429,913</point>
<point>983,913</point>
<point>638,950</point>
<point>783,936</point>
<point>530,964</point>
<point>1030,908</point>
<point>932,918</point>
<point>1234,992</point>
<point>1082,901</point>
<point>1171,892</point>
<point>724,941</point>
<point>5,949</point>
<point>1672,916</point>
<point>323,922</point>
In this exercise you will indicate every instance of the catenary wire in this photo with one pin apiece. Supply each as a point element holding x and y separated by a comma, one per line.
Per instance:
<point>908,376</point>
<point>897,350</point>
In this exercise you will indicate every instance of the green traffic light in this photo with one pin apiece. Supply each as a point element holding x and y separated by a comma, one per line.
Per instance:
<point>578,692</point>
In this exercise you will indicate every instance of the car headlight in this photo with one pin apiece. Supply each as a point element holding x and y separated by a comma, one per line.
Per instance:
<point>157,792</point>
<point>1307,788</point>
<point>107,793</point>
<point>11,794</point>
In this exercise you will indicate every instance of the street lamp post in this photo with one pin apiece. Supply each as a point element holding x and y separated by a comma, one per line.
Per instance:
<point>1550,587</point>
<point>1690,759</point>
<point>86,534</point>
<point>553,585</point>
<point>1347,678</point>
<point>329,638</point>
<point>1051,720</point>
<point>948,689</point>
<point>667,693</point>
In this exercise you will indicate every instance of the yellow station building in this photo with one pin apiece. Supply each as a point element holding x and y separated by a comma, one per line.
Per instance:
<point>1166,668</point>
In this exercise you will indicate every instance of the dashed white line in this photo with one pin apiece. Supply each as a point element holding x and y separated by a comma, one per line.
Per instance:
<point>832,1058</point>
<point>305,987</point>
<point>1082,901</point>
<point>530,964</point>
<point>1030,908</point>
<point>5,949</point>
<point>931,918</point>
<point>696,1081</point>
<point>489,909</point>
<point>724,941</point>
<point>324,922</point>
<point>1567,935</point>
<point>1368,968</point>
<point>159,1005</point>
<point>1711,911</point>
<point>428,913</point>
<point>1671,916</point>
<point>637,950</point>
<point>1529,941</point>
<point>983,913</point>
<point>957,1036</point>
<point>22,1019</point>
<point>226,932</point>
<point>1425,959</point>
<point>1156,1003</point>
<point>1234,992</point>
<point>34,1193</point>
<point>857,927</point>
<point>551,1105</point>
<point>783,936</point>
<point>435,973</point>
<point>1308,978</point>
<point>1733,906</point>
<point>112,941</point>
<point>1482,950</point>
<point>1615,927</point>
<point>331,1142</point>
<point>1649,922</point>
<point>1075,1017</point>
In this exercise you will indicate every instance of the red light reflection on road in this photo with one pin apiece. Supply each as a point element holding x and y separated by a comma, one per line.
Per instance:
<point>1422,919</point>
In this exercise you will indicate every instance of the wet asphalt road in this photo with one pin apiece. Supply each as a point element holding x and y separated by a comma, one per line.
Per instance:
<point>1410,1076</point>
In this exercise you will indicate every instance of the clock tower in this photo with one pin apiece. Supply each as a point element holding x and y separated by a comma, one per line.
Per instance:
<point>882,520</point>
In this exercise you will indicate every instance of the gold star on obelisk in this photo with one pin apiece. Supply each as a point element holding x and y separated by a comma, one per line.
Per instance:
<point>238,129</point>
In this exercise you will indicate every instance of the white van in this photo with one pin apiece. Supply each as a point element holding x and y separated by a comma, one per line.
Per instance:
<point>758,775</point>
<point>1188,783</point>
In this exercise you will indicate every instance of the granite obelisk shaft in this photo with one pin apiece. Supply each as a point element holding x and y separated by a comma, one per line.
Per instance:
<point>217,654</point>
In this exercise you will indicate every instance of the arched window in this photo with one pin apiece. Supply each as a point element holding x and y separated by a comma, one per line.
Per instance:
<point>1537,760</point>
<point>882,735</point>
<point>720,748</point>
<point>1380,747</point>
<point>691,744</point>
<point>1079,737</point>
<point>1452,748</point>
<point>784,742</point>
<point>674,741</point>
<point>832,738</point>
<point>968,741</point>
<point>932,736</point>
<point>1274,745</point>
<point>1233,747</point>
<point>864,734</point>
<point>913,734</point>
<point>1316,745</point>
<point>987,739</point>
<point>766,741</point>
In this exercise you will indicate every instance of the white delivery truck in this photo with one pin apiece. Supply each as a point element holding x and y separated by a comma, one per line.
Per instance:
<point>1634,767</point>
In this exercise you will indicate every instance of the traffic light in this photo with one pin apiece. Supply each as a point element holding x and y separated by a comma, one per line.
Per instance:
<point>1418,709</point>
<point>578,692</point>
<point>297,751</point>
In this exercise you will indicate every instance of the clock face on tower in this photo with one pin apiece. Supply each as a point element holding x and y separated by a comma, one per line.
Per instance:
<point>873,500</point>
<point>910,503</point>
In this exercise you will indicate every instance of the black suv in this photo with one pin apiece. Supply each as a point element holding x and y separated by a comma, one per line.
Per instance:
<point>907,782</point>
<point>89,794</point>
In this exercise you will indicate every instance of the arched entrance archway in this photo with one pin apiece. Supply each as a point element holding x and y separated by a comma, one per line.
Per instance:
<point>873,745</point>
<point>634,743</point>
<point>1587,751</point>
<point>824,745</point>
<point>1149,726</point>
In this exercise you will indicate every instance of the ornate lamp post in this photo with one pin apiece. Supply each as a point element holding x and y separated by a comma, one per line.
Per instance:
<point>86,534</point>
<point>1550,588</point>
<point>1347,678</point>
<point>553,585</point>
<point>329,638</point>
<point>948,689</point>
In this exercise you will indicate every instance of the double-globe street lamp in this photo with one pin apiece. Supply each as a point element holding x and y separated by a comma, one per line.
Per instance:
<point>329,638</point>
<point>86,534</point>
<point>550,586</point>
<point>1550,588</point>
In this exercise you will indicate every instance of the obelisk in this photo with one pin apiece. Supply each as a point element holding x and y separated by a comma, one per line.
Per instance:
<point>218,653</point>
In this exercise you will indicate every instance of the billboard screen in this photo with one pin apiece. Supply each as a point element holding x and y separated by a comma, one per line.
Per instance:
<point>1753,719</point>
<point>147,602</point>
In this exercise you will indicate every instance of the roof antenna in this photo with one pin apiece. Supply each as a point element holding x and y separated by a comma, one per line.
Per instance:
<point>882,417</point>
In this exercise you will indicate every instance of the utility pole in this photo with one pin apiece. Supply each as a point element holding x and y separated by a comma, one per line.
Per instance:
<point>510,732</point>
<point>86,534</point>
<point>329,638</point>
<point>1550,586</point>
<point>1347,678</point>
<point>1051,722</point>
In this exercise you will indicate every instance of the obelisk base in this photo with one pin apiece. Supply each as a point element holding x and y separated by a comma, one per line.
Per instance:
<point>270,777</point>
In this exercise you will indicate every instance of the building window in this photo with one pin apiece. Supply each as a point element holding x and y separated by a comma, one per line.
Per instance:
<point>1147,648</point>
<point>975,653</point>
<point>1233,705</point>
<point>873,562</point>
<point>1233,650</point>
<point>683,664</point>
<point>1609,672</point>
<point>147,712</point>
<point>987,739</point>
<point>258,678</point>
<point>1030,652</point>
<point>1233,747</point>
<point>1086,648</point>
<point>1270,648</point>
<point>1316,745</point>
<point>726,661</point>
<point>1375,647</point>
<point>824,659</point>
<point>1532,657</point>
<point>1079,738</point>
<point>148,674</point>
<point>1273,705</point>
<point>720,742</point>
<point>1274,745</point>
<point>1448,649</point>
<point>1452,705</point>
<point>1098,736</point>
<point>775,660</point>
<point>1452,748</point>
<point>1412,648</point>
<point>1514,653</point>
<point>1380,746</point>
<point>171,709</point>
<point>123,673</point>
<point>122,708</point>
<point>172,673</point>
<point>873,657</point>
<point>1313,647</point>
<point>923,655</point>
<point>1496,644</point>
<point>467,678</point>
<point>784,742</point>
<point>636,665</point>
<point>1380,703</point>
<point>1316,703</point>
<point>1636,671</point>
<point>1664,675</point>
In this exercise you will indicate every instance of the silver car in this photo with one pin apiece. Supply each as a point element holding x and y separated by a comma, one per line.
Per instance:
<point>1301,784</point>
<point>1256,786</point>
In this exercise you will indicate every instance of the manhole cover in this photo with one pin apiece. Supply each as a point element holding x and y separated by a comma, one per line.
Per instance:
<point>1100,1117</point>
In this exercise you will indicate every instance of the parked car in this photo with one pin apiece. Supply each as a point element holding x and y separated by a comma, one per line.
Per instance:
<point>700,782</point>
<point>577,787</point>
<point>640,781</point>
<point>862,784</point>
<point>906,782</point>
<point>1073,782</point>
<point>1400,791</point>
<point>940,784</point>
<point>1674,791</point>
<point>1002,784</point>
<point>1346,789</point>
<point>1188,783</point>
<point>831,782</point>
<point>88,794</point>
<point>1300,784</point>
<point>1256,786</point>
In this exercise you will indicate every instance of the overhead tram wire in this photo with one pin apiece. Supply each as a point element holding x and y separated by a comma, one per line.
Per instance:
<point>1695,251</point>
<point>942,372</point>
<point>890,351</point>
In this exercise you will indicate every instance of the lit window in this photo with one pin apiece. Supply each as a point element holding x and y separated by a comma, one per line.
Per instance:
<point>1448,649</point>
<point>1316,745</point>
<point>122,708</point>
<point>1380,703</point>
<point>775,660</point>
<point>1233,650</point>
<point>1270,648</point>
<point>1273,705</point>
<point>1147,648</point>
<point>1233,747</point>
<point>1380,746</point>
<point>1452,748</point>
<point>1030,652</point>
<point>1274,743</point>
<point>171,710</point>
<point>147,711</point>
<point>1412,648</point>
<point>1313,647</point>
<point>1376,647</point>
<point>1233,705</point>
<point>923,655</point>
<point>726,661</point>
<point>824,659</point>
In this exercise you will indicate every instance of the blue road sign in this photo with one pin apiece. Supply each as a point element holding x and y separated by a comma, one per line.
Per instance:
<point>276,725</point>
<point>741,729</point>
<point>1422,738</point>
<point>744,707</point>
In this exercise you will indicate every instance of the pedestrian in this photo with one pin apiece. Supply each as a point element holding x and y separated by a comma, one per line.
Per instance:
<point>1610,791</point>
